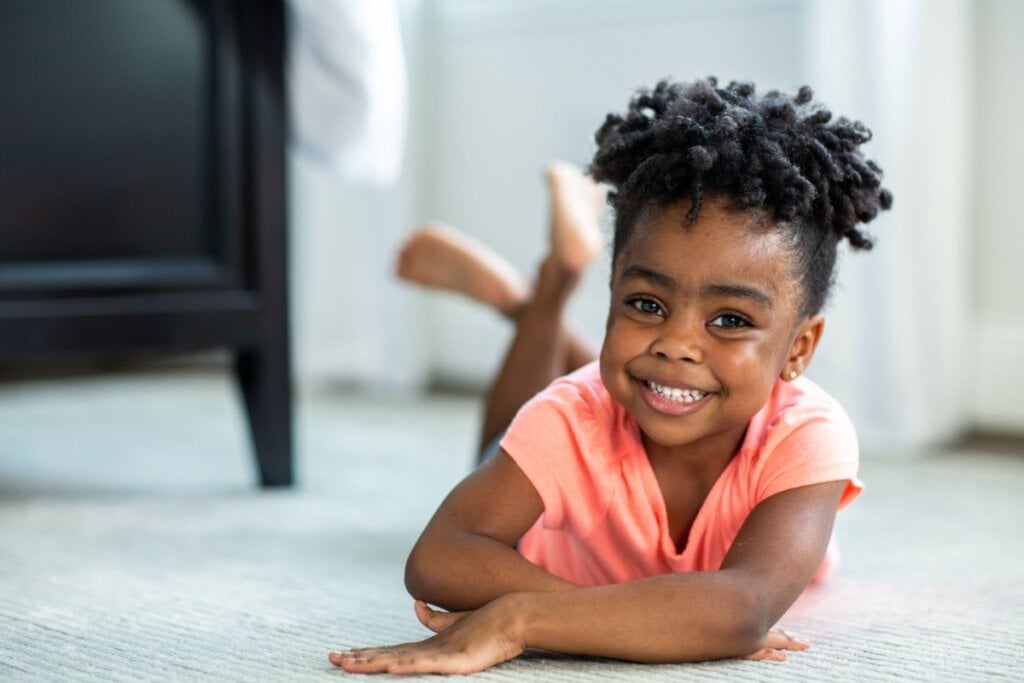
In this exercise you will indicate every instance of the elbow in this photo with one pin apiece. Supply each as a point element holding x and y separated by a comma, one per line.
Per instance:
<point>724,620</point>
<point>749,636</point>
<point>429,574</point>
<point>419,579</point>
<point>746,623</point>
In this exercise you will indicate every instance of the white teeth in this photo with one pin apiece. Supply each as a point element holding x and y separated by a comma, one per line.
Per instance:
<point>676,394</point>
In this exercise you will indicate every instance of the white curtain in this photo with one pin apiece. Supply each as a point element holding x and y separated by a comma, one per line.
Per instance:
<point>350,196</point>
<point>347,87</point>
<point>896,339</point>
<point>897,333</point>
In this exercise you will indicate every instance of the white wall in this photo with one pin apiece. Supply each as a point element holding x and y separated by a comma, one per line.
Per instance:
<point>901,323</point>
<point>522,82</point>
<point>352,322</point>
<point>926,334</point>
<point>997,357</point>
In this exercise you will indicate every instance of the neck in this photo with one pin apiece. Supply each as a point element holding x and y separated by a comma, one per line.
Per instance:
<point>700,461</point>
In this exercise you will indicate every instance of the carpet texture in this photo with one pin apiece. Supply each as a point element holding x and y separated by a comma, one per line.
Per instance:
<point>134,546</point>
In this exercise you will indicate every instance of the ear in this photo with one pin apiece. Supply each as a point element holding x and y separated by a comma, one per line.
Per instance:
<point>808,334</point>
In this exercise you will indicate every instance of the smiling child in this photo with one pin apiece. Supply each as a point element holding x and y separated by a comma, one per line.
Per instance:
<point>669,501</point>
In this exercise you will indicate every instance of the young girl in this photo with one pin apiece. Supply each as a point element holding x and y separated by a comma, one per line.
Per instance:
<point>669,501</point>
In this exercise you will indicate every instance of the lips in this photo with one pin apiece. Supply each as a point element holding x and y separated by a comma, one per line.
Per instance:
<point>686,395</point>
<point>673,400</point>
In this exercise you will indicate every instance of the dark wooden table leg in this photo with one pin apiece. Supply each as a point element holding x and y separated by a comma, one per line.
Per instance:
<point>265,380</point>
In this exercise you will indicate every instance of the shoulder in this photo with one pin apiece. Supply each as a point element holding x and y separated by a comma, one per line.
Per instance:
<point>566,440</point>
<point>795,406</point>
<point>802,436</point>
<point>579,399</point>
<point>583,387</point>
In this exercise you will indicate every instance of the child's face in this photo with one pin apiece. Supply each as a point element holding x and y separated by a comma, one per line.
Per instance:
<point>701,323</point>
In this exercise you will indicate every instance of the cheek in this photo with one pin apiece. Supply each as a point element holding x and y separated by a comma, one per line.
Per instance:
<point>723,352</point>
<point>620,338</point>
<point>752,361</point>
<point>611,364</point>
<point>748,355</point>
<point>610,350</point>
<point>620,345</point>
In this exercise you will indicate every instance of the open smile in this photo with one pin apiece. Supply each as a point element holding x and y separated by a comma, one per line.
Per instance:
<point>672,400</point>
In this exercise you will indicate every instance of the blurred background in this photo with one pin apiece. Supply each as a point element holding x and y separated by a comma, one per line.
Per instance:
<point>925,335</point>
<point>143,205</point>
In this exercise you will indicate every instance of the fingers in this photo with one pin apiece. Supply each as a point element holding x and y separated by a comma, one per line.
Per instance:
<point>784,640</point>
<point>359,661</point>
<point>420,657</point>
<point>369,659</point>
<point>403,659</point>
<point>767,655</point>
<point>775,645</point>
<point>435,620</point>
<point>435,664</point>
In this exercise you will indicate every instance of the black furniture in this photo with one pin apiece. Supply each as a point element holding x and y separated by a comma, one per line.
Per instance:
<point>142,190</point>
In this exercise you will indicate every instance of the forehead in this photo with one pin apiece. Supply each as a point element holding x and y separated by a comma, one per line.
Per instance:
<point>724,246</point>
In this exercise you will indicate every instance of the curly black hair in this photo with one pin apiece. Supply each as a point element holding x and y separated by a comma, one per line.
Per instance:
<point>777,154</point>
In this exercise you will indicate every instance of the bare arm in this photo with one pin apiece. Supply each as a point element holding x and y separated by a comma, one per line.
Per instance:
<point>671,618</point>
<point>700,615</point>
<point>466,556</point>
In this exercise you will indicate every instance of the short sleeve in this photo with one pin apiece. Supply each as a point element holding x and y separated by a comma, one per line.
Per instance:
<point>554,439</point>
<point>820,449</point>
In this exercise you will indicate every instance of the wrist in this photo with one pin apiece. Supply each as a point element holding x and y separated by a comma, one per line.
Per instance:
<point>518,612</point>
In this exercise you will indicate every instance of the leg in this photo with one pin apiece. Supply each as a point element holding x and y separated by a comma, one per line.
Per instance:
<point>542,349</point>
<point>576,206</point>
<point>440,257</point>
<point>539,352</point>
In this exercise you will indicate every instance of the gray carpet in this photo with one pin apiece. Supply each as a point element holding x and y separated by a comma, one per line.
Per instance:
<point>133,546</point>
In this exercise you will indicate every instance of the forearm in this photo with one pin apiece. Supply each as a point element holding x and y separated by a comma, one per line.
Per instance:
<point>464,571</point>
<point>671,618</point>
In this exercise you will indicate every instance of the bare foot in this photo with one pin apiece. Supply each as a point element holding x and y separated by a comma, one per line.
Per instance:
<point>577,203</point>
<point>440,257</point>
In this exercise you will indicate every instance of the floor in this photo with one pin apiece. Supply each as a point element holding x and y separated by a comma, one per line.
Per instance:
<point>134,545</point>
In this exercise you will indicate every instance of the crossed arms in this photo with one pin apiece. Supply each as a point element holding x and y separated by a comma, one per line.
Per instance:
<point>500,603</point>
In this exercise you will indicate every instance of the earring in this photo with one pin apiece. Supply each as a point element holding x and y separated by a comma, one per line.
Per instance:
<point>792,374</point>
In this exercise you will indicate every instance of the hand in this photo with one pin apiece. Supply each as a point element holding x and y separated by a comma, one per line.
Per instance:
<point>774,648</point>
<point>466,642</point>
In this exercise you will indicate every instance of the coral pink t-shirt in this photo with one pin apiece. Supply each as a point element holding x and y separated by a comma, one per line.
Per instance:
<point>604,518</point>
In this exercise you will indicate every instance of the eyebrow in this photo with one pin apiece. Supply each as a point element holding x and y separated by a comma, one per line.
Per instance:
<point>752,294</point>
<point>654,277</point>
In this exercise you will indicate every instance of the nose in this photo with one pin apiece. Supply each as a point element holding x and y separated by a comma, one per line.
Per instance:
<point>679,339</point>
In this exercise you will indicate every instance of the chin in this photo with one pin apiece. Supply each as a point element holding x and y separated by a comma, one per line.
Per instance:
<point>670,431</point>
